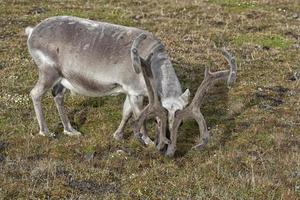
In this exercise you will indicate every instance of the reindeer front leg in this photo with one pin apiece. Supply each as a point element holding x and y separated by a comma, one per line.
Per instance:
<point>126,114</point>
<point>154,107</point>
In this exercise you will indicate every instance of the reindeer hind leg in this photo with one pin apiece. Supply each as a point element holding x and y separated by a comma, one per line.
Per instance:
<point>47,78</point>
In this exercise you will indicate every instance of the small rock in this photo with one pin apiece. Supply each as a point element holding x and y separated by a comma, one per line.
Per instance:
<point>295,16</point>
<point>265,106</point>
<point>120,151</point>
<point>266,48</point>
<point>296,174</point>
<point>295,76</point>
<point>37,10</point>
<point>2,158</point>
<point>296,46</point>
<point>188,39</point>
<point>292,93</point>
<point>137,17</point>
<point>2,63</point>
<point>3,145</point>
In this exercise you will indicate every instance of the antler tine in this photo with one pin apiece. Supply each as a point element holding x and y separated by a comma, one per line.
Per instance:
<point>211,78</point>
<point>233,67</point>
<point>154,107</point>
<point>193,110</point>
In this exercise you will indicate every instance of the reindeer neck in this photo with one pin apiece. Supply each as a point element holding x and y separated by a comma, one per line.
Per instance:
<point>165,77</point>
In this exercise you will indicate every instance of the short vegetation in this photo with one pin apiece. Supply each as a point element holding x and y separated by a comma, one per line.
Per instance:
<point>254,151</point>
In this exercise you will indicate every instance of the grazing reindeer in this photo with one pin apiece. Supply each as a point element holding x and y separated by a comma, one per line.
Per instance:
<point>94,59</point>
<point>155,106</point>
<point>97,59</point>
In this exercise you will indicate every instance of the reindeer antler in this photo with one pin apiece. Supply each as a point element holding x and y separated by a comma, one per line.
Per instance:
<point>193,110</point>
<point>154,108</point>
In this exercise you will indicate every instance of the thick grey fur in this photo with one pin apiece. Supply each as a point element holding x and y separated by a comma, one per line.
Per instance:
<point>93,59</point>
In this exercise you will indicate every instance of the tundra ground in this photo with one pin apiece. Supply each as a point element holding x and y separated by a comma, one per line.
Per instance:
<point>254,151</point>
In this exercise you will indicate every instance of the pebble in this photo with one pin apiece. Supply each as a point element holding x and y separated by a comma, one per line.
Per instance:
<point>295,16</point>
<point>120,151</point>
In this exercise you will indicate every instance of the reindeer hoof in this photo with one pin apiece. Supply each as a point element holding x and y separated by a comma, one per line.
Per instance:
<point>166,141</point>
<point>162,147</point>
<point>47,134</point>
<point>138,136</point>
<point>72,133</point>
<point>170,152</point>
<point>198,147</point>
<point>201,145</point>
<point>118,135</point>
<point>147,141</point>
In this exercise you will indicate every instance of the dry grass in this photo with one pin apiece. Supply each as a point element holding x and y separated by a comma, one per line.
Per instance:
<point>254,149</point>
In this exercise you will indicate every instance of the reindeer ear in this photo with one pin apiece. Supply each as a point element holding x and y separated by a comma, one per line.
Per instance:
<point>185,97</point>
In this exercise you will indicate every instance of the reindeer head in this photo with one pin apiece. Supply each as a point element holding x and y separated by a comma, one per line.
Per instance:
<point>175,110</point>
<point>173,104</point>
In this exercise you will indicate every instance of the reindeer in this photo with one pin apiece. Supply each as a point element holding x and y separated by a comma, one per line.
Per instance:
<point>99,59</point>
<point>156,107</point>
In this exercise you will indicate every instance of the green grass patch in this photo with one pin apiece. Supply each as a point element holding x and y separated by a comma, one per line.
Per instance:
<point>270,41</point>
